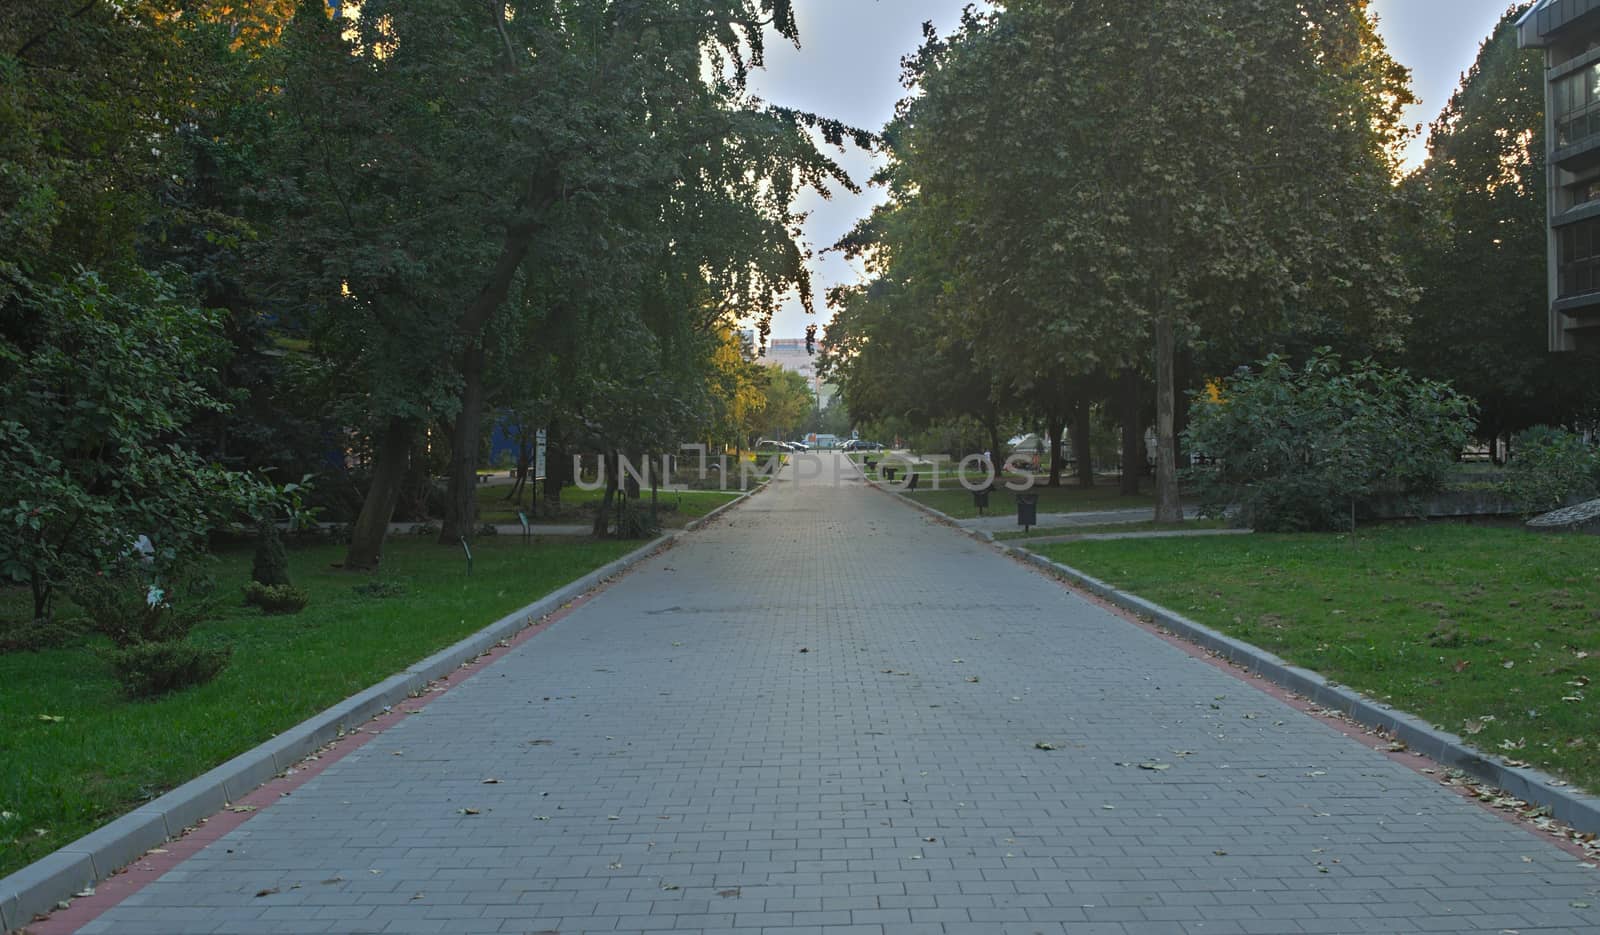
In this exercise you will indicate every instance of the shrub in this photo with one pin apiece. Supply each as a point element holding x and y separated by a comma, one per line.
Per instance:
<point>379,589</point>
<point>36,635</point>
<point>148,624</point>
<point>488,529</point>
<point>1549,466</point>
<point>130,608</point>
<point>270,566</point>
<point>275,598</point>
<point>1298,448</point>
<point>156,668</point>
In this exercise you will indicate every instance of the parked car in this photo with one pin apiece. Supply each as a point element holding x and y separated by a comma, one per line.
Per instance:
<point>799,446</point>
<point>858,444</point>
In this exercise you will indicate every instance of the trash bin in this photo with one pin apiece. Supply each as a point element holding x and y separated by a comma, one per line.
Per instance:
<point>1027,510</point>
<point>980,499</point>
<point>912,485</point>
<point>890,472</point>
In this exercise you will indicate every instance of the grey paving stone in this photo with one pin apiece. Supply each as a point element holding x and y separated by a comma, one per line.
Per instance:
<point>669,758</point>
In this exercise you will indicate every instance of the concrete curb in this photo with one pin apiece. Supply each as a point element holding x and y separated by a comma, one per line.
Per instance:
<point>714,514</point>
<point>40,886</point>
<point>1577,809</point>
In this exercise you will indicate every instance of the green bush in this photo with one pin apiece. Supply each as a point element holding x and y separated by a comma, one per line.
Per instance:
<point>270,565</point>
<point>1549,466</point>
<point>148,623</point>
<point>1298,448</point>
<point>36,635</point>
<point>275,598</point>
<point>147,670</point>
<point>379,589</point>
<point>131,608</point>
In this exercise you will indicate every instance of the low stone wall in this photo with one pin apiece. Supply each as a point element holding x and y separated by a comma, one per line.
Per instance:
<point>1448,503</point>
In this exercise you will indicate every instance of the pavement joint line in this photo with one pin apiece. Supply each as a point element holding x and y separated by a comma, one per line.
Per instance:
<point>199,809</point>
<point>1578,810</point>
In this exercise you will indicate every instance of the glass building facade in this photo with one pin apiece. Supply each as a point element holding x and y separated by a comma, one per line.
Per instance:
<point>1568,33</point>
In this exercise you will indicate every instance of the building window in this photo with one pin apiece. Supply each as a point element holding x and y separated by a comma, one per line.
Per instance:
<point>1580,258</point>
<point>1576,102</point>
<point>1584,192</point>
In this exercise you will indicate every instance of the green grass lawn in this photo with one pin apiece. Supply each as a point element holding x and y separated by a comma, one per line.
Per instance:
<point>1096,528</point>
<point>957,502</point>
<point>1491,633</point>
<point>106,755</point>
<point>578,506</point>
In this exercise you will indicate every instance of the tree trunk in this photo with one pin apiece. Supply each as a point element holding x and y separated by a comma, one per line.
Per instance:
<point>1168,507</point>
<point>991,424</point>
<point>461,499</point>
<point>602,516</point>
<point>556,465</point>
<point>525,451</point>
<point>1131,414</point>
<point>1082,451</point>
<point>39,585</point>
<point>388,476</point>
<point>461,502</point>
<point>1055,426</point>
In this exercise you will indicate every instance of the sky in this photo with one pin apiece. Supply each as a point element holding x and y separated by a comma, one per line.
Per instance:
<point>849,68</point>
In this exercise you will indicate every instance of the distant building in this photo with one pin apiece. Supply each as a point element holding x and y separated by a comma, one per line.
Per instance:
<point>1569,33</point>
<point>790,354</point>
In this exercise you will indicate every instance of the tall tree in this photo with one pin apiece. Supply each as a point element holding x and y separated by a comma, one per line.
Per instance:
<point>442,148</point>
<point>1170,172</point>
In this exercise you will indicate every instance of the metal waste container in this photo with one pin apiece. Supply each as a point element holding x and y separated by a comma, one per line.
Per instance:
<point>1027,510</point>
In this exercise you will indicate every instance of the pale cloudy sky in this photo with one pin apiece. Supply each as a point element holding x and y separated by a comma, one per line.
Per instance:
<point>849,68</point>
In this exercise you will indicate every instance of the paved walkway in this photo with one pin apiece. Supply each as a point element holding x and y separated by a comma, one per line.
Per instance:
<point>821,715</point>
